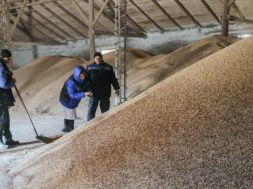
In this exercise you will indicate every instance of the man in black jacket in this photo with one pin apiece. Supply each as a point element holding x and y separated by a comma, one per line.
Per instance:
<point>101,76</point>
<point>6,99</point>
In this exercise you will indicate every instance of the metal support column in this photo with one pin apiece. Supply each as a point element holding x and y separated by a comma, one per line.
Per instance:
<point>121,48</point>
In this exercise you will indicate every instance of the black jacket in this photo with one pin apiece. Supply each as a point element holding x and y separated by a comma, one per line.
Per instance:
<point>101,77</point>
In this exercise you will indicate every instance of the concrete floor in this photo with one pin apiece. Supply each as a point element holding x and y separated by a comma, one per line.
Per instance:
<point>45,125</point>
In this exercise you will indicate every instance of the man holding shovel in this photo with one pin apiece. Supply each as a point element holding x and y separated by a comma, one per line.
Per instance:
<point>6,99</point>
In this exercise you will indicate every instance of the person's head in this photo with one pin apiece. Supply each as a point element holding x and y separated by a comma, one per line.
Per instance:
<point>82,75</point>
<point>79,73</point>
<point>98,57</point>
<point>6,55</point>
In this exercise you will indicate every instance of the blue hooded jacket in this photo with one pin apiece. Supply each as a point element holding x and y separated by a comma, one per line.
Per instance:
<point>73,89</point>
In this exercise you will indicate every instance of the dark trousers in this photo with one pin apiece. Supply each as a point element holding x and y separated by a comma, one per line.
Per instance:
<point>104,103</point>
<point>4,123</point>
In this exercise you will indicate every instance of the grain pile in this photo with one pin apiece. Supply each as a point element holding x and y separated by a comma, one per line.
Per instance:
<point>41,84</point>
<point>193,130</point>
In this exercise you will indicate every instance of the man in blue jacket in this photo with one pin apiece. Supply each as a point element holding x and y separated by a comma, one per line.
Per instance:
<point>6,99</point>
<point>74,89</point>
<point>101,76</point>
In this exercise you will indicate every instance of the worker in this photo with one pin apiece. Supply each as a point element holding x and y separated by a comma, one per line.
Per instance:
<point>74,89</point>
<point>100,76</point>
<point>6,99</point>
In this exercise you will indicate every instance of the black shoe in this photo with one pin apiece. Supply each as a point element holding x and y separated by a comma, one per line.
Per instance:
<point>11,142</point>
<point>67,129</point>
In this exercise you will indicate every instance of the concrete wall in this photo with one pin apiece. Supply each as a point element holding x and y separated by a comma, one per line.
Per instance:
<point>154,43</point>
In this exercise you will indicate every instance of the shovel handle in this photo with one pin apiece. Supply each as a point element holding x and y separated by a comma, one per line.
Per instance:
<point>27,113</point>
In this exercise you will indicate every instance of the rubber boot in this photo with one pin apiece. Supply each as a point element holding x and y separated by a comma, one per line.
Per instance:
<point>71,125</point>
<point>65,128</point>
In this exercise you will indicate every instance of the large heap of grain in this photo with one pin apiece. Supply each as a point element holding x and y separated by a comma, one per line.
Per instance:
<point>193,130</point>
<point>41,80</point>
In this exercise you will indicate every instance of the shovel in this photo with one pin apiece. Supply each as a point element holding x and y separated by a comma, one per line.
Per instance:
<point>44,139</point>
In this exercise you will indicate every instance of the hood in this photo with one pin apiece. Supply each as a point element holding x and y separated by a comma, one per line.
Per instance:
<point>77,71</point>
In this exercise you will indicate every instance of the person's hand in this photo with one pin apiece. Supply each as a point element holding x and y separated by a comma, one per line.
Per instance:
<point>14,80</point>
<point>117,92</point>
<point>88,93</point>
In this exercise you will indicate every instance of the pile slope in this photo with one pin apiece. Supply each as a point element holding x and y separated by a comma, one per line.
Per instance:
<point>41,84</point>
<point>196,132</point>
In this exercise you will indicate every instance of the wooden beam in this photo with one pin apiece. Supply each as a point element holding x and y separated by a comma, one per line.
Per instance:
<point>23,29</point>
<point>91,29</point>
<point>238,11</point>
<point>40,31</point>
<point>106,14</point>
<point>34,3</point>
<point>230,3</point>
<point>37,43</point>
<point>187,13</point>
<point>53,24</point>
<point>147,16</point>
<point>167,14</point>
<point>211,11</point>
<point>100,12</point>
<point>80,11</point>
<point>47,28</point>
<point>73,28</point>
<point>6,23</point>
<point>225,18</point>
<point>72,16</point>
<point>237,19</point>
<point>21,11</point>
<point>136,25</point>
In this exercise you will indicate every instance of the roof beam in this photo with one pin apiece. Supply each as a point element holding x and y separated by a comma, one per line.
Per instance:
<point>80,11</point>
<point>36,43</point>
<point>187,13</point>
<point>159,27</point>
<point>40,31</point>
<point>21,11</point>
<point>136,25</point>
<point>211,11</point>
<point>238,19</point>
<point>49,29</point>
<point>53,24</point>
<point>72,16</point>
<point>34,3</point>
<point>106,14</point>
<point>111,6</point>
<point>100,12</point>
<point>167,14</point>
<point>238,11</point>
<point>73,28</point>
<point>230,3</point>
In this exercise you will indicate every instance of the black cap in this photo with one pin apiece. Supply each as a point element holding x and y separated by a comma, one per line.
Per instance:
<point>5,53</point>
<point>98,54</point>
